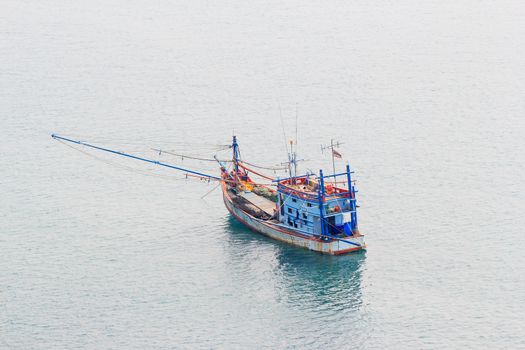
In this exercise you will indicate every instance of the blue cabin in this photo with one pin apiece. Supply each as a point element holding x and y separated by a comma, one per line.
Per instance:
<point>315,206</point>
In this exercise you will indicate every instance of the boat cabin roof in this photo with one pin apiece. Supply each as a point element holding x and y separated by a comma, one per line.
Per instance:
<point>306,187</point>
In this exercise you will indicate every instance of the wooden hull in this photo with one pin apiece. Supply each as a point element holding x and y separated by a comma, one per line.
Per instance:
<point>276,231</point>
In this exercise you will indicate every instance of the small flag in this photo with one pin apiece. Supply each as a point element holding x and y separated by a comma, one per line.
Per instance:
<point>336,154</point>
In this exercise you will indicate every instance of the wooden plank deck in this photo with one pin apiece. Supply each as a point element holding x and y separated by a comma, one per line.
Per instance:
<point>260,202</point>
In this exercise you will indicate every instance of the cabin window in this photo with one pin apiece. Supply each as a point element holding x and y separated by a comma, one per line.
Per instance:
<point>305,216</point>
<point>309,204</point>
<point>290,210</point>
<point>294,200</point>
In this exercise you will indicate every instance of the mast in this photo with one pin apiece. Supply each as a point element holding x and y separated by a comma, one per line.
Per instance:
<point>235,147</point>
<point>292,162</point>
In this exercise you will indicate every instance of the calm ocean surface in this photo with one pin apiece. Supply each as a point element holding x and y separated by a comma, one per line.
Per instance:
<point>428,98</point>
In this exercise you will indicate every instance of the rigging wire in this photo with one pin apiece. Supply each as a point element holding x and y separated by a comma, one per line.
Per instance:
<point>274,168</point>
<point>213,189</point>
<point>261,175</point>
<point>125,167</point>
<point>125,141</point>
<point>182,156</point>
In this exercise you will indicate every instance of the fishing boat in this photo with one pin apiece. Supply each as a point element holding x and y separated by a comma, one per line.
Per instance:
<point>317,212</point>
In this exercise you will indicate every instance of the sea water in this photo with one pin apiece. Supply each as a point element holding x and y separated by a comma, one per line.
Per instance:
<point>98,252</point>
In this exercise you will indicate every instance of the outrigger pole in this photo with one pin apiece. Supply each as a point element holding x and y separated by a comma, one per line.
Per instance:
<point>57,137</point>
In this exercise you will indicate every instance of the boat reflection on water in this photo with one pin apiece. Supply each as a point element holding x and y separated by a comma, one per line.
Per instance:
<point>302,278</point>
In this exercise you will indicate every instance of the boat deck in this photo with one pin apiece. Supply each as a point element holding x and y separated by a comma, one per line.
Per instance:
<point>260,202</point>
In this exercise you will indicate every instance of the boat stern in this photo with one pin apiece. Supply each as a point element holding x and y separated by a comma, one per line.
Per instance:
<point>348,245</point>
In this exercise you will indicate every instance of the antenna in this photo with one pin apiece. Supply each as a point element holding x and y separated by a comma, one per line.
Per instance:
<point>332,147</point>
<point>291,153</point>
<point>285,142</point>
<point>296,140</point>
<point>296,127</point>
<point>282,126</point>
